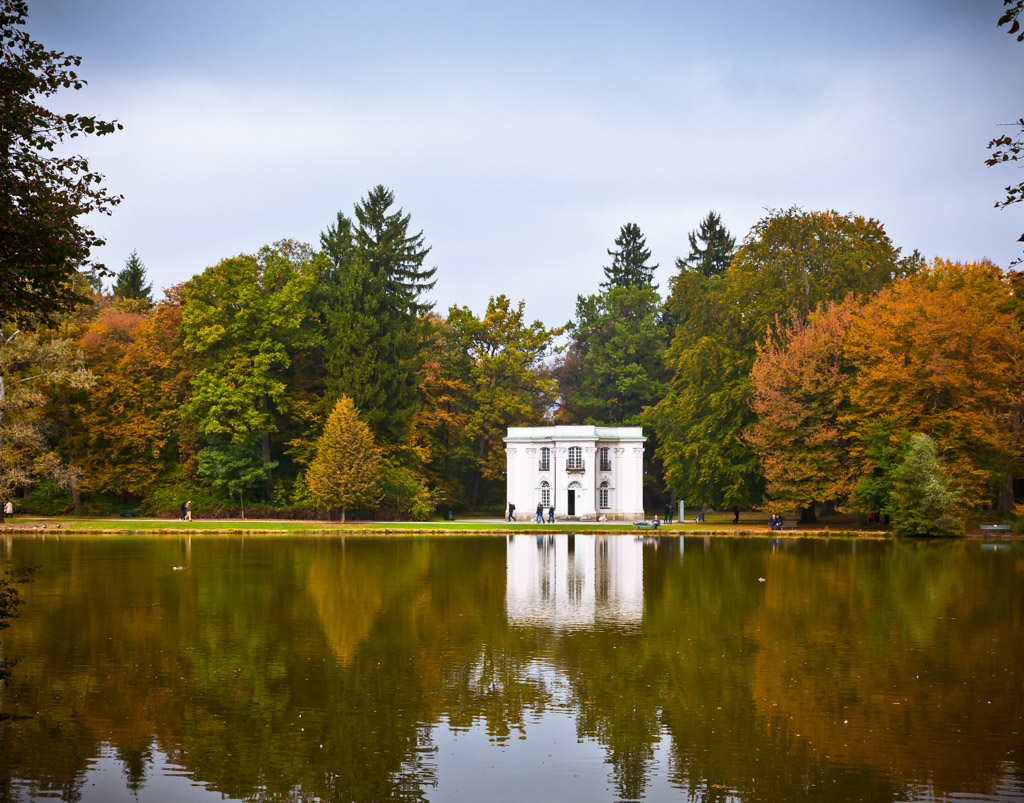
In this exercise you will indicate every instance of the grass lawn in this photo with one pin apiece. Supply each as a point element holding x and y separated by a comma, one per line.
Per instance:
<point>715,523</point>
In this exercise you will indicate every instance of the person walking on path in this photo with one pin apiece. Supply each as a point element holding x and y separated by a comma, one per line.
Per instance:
<point>188,510</point>
<point>551,515</point>
<point>182,517</point>
<point>668,513</point>
<point>9,509</point>
<point>735,514</point>
<point>511,512</point>
<point>540,513</point>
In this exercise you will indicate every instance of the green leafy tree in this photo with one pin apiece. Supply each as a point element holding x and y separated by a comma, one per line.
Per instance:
<point>923,500</point>
<point>131,281</point>
<point>30,365</point>
<point>509,387</point>
<point>370,300</point>
<point>243,319</point>
<point>629,266</point>
<point>345,473</point>
<point>701,421</point>
<point>789,263</point>
<point>234,467</point>
<point>43,196</point>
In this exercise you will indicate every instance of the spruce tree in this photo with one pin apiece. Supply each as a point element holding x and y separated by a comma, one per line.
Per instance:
<point>712,255</point>
<point>371,304</point>
<point>629,266</point>
<point>131,281</point>
<point>345,473</point>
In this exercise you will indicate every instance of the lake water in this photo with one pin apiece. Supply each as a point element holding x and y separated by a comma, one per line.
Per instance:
<point>567,668</point>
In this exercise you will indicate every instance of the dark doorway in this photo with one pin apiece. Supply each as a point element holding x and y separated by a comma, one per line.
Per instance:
<point>571,506</point>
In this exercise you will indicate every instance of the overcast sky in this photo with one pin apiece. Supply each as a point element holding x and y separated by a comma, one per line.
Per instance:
<point>521,136</point>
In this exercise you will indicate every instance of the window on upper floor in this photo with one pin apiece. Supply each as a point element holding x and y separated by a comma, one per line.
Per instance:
<point>606,460</point>
<point>575,458</point>
<point>545,459</point>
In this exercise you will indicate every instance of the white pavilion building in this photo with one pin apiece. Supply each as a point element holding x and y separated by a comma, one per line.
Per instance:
<point>587,471</point>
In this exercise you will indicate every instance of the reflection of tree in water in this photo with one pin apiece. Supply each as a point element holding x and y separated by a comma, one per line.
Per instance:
<point>135,761</point>
<point>294,670</point>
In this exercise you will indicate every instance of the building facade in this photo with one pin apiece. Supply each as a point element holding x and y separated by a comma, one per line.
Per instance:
<point>587,472</point>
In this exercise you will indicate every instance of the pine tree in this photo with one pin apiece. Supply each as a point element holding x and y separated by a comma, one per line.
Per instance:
<point>346,470</point>
<point>629,266</point>
<point>131,281</point>
<point>718,245</point>
<point>370,301</point>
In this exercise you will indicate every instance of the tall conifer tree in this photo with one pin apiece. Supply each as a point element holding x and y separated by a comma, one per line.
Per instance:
<point>371,302</point>
<point>711,256</point>
<point>131,281</point>
<point>629,266</point>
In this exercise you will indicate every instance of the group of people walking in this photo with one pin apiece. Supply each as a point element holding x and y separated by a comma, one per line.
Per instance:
<point>539,518</point>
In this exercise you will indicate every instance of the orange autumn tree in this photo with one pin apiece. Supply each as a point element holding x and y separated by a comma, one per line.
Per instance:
<point>801,386</point>
<point>127,427</point>
<point>939,353</point>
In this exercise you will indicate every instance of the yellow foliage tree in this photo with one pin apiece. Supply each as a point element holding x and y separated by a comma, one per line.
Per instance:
<point>941,353</point>
<point>345,473</point>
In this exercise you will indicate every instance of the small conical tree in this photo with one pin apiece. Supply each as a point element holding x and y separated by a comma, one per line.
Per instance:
<point>712,255</point>
<point>345,473</point>
<point>629,266</point>
<point>131,281</point>
<point>923,502</point>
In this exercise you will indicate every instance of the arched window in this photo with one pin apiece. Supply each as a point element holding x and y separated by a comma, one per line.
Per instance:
<point>602,497</point>
<point>545,494</point>
<point>606,460</point>
<point>575,458</point>
<point>545,459</point>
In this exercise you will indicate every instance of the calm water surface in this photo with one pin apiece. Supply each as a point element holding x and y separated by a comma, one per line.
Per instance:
<point>536,668</point>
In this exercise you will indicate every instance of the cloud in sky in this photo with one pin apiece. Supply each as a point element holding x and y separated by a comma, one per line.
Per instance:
<point>521,137</point>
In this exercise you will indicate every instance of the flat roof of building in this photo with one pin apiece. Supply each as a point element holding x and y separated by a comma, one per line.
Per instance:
<point>581,432</point>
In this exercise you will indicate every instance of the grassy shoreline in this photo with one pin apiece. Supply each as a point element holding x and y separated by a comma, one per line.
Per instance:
<point>82,526</point>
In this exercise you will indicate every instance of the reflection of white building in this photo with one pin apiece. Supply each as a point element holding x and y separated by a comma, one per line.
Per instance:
<point>587,471</point>
<point>574,581</point>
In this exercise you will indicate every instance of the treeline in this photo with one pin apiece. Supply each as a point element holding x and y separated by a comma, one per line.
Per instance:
<point>813,366</point>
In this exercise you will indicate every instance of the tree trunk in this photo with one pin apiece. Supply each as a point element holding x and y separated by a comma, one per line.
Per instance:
<point>481,446</point>
<point>76,494</point>
<point>269,482</point>
<point>343,515</point>
<point>1006,494</point>
<point>807,514</point>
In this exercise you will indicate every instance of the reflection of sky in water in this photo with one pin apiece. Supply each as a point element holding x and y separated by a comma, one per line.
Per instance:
<point>105,782</point>
<point>546,761</point>
<point>573,582</point>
